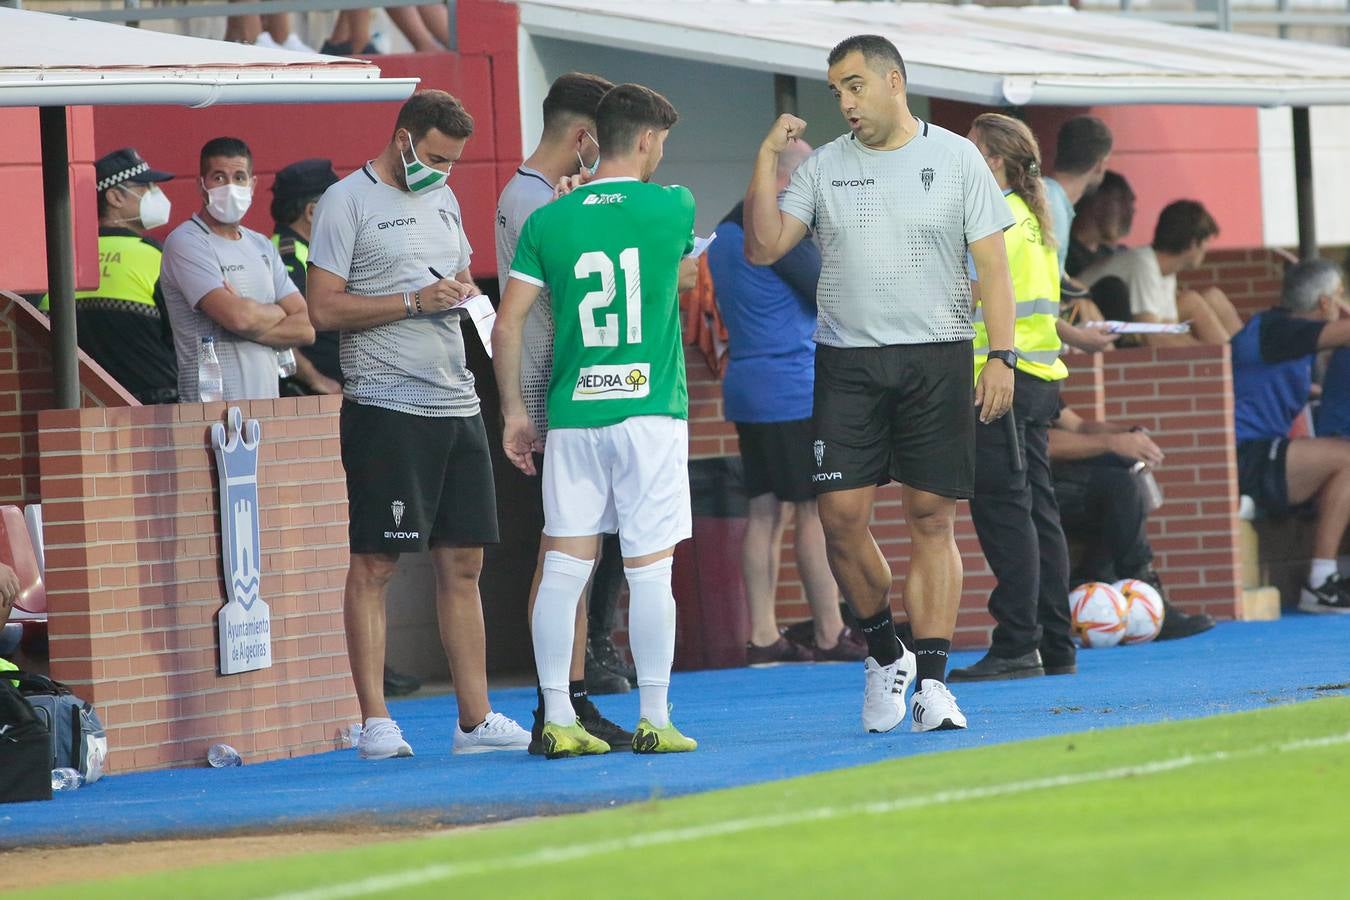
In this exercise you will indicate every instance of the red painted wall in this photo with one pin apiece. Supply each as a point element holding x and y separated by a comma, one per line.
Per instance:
<point>170,138</point>
<point>1205,153</point>
<point>23,265</point>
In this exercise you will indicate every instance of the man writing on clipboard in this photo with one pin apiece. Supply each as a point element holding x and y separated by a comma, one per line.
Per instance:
<point>419,474</point>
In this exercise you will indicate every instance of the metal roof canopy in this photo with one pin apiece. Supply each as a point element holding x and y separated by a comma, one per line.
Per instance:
<point>52,62</point>
<point>994,56</point>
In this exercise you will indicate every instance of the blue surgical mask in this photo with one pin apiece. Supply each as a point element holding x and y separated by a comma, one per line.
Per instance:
<point>593,166</point>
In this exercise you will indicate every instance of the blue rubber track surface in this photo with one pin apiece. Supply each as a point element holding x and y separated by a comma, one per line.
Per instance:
<point>753,725</point>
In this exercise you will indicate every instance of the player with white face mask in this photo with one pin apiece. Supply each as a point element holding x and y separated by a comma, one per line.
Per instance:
<point>227,282</point>
<point>389,257</point>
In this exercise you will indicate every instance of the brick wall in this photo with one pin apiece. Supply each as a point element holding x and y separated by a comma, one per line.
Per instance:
<point>1185,396</point>
<point>134,579</point>
<point>26,386</point>
<point>1250,278</point>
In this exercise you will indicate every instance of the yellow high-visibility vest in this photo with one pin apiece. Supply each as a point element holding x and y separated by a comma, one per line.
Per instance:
<point>1035,278</point>
<point>128,272</point>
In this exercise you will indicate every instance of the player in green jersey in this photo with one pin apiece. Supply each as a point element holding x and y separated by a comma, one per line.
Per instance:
<point>618,444</point>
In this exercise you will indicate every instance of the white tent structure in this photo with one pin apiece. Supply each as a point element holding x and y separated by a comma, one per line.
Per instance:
<point>52,62</point>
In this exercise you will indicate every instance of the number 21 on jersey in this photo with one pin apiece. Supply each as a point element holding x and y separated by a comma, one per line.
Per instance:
<point>604,330</point>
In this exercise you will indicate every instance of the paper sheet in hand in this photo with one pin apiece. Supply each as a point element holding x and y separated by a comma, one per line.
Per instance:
<point>700,245</point>
<point>483,316</point>
<point>1113,327</point>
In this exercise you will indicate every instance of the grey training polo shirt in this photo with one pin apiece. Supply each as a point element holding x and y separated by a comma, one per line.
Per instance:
<point>893,228</point>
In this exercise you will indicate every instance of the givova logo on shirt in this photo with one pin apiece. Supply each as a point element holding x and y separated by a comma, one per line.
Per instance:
<point>632,380</point>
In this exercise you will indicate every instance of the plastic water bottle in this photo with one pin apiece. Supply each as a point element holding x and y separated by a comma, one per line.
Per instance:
<point>285,363</point>
<point>210,380</point>
<point>222,756</point>
<point>348,736</point>
<point>66,779</point>
<point>1148,486</point>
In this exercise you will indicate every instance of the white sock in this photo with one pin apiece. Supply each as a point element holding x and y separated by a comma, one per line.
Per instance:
<point>1321,570</point>
<point>553,626</point>
<point>375,720</point>
<point>651,634</point>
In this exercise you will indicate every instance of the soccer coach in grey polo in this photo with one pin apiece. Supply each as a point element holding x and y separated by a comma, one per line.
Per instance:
<point>895,205</point>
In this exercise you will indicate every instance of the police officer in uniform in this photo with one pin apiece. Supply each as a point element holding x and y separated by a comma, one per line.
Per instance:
<point>295,193</point>
<point>122,325</point>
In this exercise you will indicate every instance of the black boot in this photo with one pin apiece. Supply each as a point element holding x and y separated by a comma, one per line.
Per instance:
<point>396,684</point>
<point>606,670</point>
<point>1176,624</point>
<point>1000,668</point>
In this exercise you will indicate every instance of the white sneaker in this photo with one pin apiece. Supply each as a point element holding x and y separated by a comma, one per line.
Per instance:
<point>266,40</point>
<point>381,739</point>
<point>884,691</point>
<point>934,708</point>
<point>293,42</point>
<point>496,733</point>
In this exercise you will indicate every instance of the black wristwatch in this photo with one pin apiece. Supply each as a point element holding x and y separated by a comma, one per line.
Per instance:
<point>1009,357</point>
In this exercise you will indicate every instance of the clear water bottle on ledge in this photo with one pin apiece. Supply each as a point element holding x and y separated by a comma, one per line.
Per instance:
<point>210,379</point>
<point>285,363</point>
<point>222,756</point>
<point>66,779</point>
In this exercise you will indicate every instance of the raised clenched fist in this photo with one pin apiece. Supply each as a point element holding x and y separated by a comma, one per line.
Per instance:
<point>786,128</point>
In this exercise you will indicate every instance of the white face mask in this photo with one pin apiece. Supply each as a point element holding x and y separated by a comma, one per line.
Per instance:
<point>228,202</point>
<point>593,166</point>
<point>155,208</point>
<point>421,178</point>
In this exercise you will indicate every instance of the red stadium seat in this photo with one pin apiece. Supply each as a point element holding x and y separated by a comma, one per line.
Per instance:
<point>16,551</point>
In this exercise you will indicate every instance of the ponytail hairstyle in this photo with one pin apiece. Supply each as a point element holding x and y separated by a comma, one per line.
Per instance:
<point>1011,140</point>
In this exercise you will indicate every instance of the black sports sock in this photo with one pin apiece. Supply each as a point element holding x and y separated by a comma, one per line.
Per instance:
<point>932,653</point>
<point>578,691</point>
<point>879,631</point>
<point>539,701</point>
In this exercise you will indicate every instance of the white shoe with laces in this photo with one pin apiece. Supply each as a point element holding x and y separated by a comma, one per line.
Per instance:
<point>884,691</point>
<point>933,708</point>
<point>496,732</point>
<point>382,739</point>
<point>293,42</point>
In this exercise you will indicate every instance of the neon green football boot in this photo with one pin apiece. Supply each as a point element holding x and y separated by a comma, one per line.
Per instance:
<point>650,739</point>
<point>570,740</point>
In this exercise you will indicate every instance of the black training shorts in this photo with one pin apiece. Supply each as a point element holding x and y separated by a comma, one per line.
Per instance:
<point>776,457</point>
<point>415,482</point>
<point>904,413</point>
<point>1261,473</point>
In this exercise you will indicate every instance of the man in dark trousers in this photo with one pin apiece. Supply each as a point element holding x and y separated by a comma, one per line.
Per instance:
<point>295,194</point>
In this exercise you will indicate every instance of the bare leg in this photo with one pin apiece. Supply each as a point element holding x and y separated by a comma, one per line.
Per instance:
<point>813,564</point>
<point>358,25</point>
<point>1223,309</point>
<point>578,670</point>
<point>1205,324</point>
<point>761,553</point>
<point>363,616</point>
<point>1321,467</point>
<point>459,610</point>
<point>855,559</point>
<point>933,589</point>
<point>410,23</point>
<point>436,18</point>
<point>278,25</point>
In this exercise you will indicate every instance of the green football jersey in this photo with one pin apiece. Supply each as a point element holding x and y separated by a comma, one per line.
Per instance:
<point>609,254</point>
